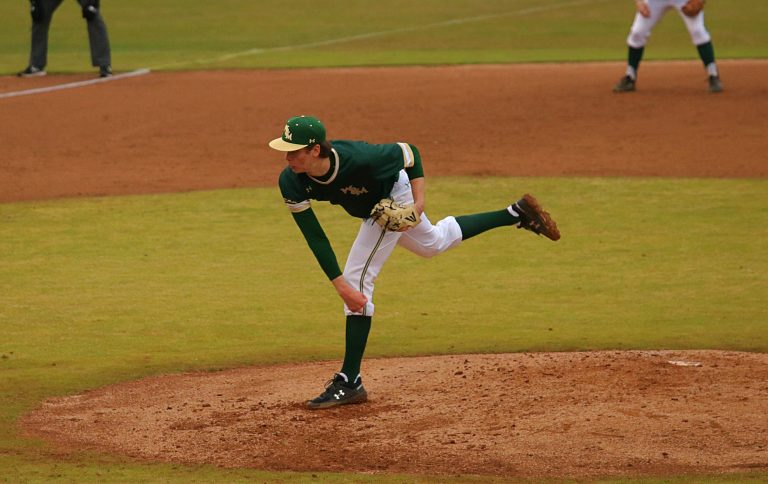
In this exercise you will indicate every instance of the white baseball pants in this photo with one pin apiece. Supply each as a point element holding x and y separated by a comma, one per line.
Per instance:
<point>373,245</point>
<point>642,26</point>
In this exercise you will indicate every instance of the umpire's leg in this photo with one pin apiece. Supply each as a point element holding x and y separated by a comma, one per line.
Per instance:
<point>38,54</point>
<point>97,33</point>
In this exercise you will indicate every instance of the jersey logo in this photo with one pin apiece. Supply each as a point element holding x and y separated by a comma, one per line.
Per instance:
<point>350,190</point>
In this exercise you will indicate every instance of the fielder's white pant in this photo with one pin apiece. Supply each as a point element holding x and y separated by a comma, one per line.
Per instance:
<point>642,26</point>
<point>373,245</point>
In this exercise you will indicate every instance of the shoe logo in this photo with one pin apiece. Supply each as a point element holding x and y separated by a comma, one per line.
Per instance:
<point>338,396</point>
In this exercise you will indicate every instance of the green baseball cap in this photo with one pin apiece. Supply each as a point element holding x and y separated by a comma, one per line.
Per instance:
<point>300,131</point>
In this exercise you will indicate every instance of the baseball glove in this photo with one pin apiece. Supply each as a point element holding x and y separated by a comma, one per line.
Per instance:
<point>394,216</point>
<point>693,7</point>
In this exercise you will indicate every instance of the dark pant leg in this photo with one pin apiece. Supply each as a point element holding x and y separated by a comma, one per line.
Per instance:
<point>98,39</point>
<point>38,54</point>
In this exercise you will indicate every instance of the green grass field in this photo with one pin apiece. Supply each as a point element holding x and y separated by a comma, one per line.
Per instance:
<point>195,34</point>
<point>102,290</point>
<point>96,291</point>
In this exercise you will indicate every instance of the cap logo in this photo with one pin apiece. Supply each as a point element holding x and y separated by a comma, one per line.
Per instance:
<point>287,135</point>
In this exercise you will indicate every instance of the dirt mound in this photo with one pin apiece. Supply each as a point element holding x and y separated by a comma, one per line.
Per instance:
<point>524,415</point>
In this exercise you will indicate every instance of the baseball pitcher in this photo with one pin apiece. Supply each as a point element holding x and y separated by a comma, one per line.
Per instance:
<point>383,186</point>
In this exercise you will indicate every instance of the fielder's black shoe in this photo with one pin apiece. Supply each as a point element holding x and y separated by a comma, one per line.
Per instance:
<point>32,71</point>
<point>339,392</point>
<point>534,218</point>
<point>714,84</point>
<point>105,71</point>
<point>625,84</point>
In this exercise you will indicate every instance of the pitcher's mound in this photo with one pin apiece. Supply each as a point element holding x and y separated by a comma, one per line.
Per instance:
<point>524,415</point>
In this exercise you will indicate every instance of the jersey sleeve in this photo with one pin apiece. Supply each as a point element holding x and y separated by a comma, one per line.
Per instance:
<point>318,242</point>
<point>291,190</point>
<point>416,170</point>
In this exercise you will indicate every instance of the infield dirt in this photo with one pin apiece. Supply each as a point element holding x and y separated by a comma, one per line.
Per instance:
<point>169,132</point>
<point>523,415</point>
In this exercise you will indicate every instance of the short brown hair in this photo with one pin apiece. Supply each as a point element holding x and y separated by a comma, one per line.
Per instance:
<point>325,148</point>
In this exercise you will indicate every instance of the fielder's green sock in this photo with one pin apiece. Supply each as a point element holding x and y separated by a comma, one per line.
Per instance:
<point>358,328</point>
<point>634,56</point>
<point>478,223</point>
<point>706,53</point>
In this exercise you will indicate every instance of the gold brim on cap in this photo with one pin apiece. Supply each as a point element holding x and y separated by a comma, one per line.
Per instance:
<point>280,144</point>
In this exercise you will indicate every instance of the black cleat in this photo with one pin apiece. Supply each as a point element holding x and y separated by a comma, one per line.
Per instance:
<point>339,392</point>
<point>714,84</point>
<point>534,218</point>
<point>105,71</point>
<point>625,84</point>
<point>32,71</point>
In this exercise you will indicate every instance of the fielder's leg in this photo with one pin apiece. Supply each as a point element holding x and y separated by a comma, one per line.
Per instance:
<point>636,40</point>
<point>703,42</point>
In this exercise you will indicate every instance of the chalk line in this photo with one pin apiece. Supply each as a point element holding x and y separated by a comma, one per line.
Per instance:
<point>72,85</point>
<point>369,35</point>
<point>338,40</point>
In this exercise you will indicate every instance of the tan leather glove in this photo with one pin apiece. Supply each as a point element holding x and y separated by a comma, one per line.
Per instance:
<point>394,216</point>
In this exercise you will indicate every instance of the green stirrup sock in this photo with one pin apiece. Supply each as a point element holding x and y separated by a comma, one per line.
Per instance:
<point>634,55</point>
<point>706,53</point>
<point>358,328</point>
<point>478,223</point>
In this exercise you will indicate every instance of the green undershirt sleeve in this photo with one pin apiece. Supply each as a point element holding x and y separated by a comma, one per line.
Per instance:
<point>318,242</point>
<point>416,171</point>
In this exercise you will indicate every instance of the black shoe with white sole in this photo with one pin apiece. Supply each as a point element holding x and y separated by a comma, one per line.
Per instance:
<point>339,392</point>
<point>32,71</point>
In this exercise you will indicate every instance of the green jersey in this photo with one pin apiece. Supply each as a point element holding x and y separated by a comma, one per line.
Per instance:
<point>360,175</point>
